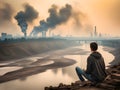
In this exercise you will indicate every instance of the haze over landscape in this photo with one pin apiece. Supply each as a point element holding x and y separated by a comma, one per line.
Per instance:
<point>43,41</point>
<point>61,17</point>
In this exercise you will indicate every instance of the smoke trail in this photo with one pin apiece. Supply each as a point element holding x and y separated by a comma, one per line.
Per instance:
<point>20,17</point>
<point>6,12</point>
<point>30,13</point>
<point>59,18</point>
<point>23,17</point>
<point>55,18</point>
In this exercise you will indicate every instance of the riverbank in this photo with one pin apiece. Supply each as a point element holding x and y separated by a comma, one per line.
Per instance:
<point>40,64</point>
<point>115,50</point>
<point>116,53</point>
<point>31,66</point>
<point>20,49</point>
<point>112,82</point>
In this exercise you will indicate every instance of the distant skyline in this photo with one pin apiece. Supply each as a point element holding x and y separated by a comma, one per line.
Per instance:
<point>85,14</point>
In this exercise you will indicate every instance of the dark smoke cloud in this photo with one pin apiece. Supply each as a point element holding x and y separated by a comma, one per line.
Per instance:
<point>59,18</point>
<point>24,17</point>
<point>30,13</point>
<point>20,17</point>
<point>6,12</point>
<point>55,18</point>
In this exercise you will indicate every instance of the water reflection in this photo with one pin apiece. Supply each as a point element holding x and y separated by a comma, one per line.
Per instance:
<point>55,76</point>
<point>55,71</point>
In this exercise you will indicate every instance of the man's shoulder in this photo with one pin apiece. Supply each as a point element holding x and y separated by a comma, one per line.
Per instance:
<point>90,57</point>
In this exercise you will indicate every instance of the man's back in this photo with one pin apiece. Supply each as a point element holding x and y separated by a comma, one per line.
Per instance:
<point>96,67</point>
<point>95,71</point>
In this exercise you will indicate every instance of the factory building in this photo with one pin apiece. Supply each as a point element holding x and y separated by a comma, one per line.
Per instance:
<point>5,36</point>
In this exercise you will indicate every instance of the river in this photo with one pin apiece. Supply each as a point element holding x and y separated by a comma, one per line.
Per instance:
<point>53,77</point>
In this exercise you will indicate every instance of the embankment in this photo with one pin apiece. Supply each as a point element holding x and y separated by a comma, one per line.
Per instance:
<point>115,44</point>
<point>20,49</point>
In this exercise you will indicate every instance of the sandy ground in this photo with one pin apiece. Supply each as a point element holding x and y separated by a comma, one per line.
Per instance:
<point>45,61</point>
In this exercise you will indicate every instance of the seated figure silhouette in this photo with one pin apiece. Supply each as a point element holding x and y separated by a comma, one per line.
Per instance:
<point>95,70</point>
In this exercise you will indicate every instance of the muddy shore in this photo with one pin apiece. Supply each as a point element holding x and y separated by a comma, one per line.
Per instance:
<point>112,82</point>
<point>34,67</point>
<point>55,59</point>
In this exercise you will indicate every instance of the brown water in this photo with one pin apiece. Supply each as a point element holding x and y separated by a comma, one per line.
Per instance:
<point>55,76</point>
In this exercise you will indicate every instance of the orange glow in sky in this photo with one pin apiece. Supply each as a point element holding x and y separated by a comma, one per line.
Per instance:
<point>104,14</point>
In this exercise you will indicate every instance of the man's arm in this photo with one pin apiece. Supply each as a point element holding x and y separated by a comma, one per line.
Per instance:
<point>103,63</point>
<point>89,65</point>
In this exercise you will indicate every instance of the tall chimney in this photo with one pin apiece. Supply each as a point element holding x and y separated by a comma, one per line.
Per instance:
<point>95,32</point>
<point>43,33</point>
<point>49,33</point>
<point>25,34</point>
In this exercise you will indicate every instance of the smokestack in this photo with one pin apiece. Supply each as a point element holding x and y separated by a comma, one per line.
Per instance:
<point>25,34</point>
<point>95,32</point>
<point>43,34</point>
<point>49,33</point>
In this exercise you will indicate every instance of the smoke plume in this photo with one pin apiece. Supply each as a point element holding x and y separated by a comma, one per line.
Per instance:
<point>6,12</point>
<point>20,17</point>
<point>25,17</point>
<point>55,18</point>
<point>80,19</point>
<point>30,13</point>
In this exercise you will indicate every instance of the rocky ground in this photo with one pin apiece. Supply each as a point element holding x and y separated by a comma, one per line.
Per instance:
<point>112,82</point>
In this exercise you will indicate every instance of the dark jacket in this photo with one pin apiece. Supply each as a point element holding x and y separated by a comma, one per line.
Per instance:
<point>96,67</point>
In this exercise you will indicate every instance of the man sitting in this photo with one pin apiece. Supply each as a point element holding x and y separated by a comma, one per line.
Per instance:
<point>95,71</point>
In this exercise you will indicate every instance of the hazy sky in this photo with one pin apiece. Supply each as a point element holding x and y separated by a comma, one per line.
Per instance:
<point>85,14</point>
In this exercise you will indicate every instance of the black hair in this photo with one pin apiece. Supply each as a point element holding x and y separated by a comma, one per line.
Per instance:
<point>93,46</point>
